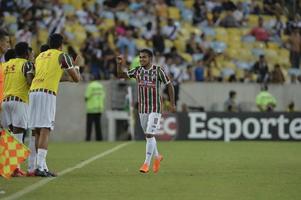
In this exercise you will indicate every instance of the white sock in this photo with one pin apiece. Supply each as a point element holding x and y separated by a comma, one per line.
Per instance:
<point>45,166</point>
<point>156,153</point>
<point>41,157</point>
<point>32,157</point>
<point>19,136</point>
<point>150,145</point>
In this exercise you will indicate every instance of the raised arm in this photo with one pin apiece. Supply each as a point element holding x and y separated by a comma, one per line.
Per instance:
<point>120,61</point>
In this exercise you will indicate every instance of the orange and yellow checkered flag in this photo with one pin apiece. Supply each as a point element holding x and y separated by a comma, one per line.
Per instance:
<point>12,153</point>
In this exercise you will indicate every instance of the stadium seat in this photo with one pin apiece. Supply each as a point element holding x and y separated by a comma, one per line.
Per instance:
<point>248,38</point>
<point>198,56</point>
<point>227,72</point>
<point>267,18</point>
<point>234,31</point>
<point>220,31</point>
<point>168,43</point>
<point>180,45</point>
<point>42,35</point>
<point>242,65</point>
<point>218,47</point>
<point>257,52</point>
<point>245,55</point>
<point>140,43</point>
<point>239,73</point>
<point>189,3</point>
<point>259,45</point>
<point>68,9</point>
<point>76,3</point>
<point>216,72</point>
<point>208,31</point>
<point>270,54</point>
<point>234,44</point>
<point>174,13</point>
<point>187,15</point>
<point>10,19</point>
<point>252,20</point>
<point>108,23</point>
<point>232,52</point>
<point>187,57</point>
<point>228,64</point>
<point>273,45</point>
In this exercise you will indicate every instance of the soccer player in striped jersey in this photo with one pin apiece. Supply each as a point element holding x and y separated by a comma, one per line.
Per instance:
<point>149,78</point>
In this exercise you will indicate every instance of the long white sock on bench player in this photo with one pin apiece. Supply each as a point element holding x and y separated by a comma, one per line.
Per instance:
<point>41,157</point>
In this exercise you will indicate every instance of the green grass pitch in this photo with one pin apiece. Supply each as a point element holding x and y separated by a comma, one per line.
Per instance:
<point>190,170</point>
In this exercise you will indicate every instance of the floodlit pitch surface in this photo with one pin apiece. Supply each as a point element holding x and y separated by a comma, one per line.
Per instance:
<point>190,170</point>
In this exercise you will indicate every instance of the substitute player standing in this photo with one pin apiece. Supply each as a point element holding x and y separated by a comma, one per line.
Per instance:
<point>149,78</point>
<point>49,68</point>
<point>18,74</point>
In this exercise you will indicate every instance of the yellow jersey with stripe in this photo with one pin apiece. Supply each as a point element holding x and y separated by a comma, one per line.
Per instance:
<point>49,68</point>
<point>15,82</point>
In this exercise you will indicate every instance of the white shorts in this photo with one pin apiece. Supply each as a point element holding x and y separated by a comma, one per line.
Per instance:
<point>14,113</point>
<point>150,122</point>
<point>41,110</point>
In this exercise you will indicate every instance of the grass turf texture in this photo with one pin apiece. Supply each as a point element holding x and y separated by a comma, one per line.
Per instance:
<point>190,170</point>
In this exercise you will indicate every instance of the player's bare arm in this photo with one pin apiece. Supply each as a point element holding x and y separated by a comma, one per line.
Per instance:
<point>29,78</point>
<point>120,61</point>
<point>171,94</point>
<point>29,72</point>
<point>72,73</point>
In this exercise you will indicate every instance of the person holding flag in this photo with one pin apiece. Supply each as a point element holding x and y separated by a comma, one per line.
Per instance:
<point>18,73</point>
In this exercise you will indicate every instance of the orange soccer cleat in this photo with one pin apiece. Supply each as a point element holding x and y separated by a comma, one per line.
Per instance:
<point>144,168</point>
<point>156,165</point>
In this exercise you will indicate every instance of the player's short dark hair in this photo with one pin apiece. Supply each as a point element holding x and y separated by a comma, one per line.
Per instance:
<point>10,54</point>
<point>22,49</point>
<point>3,34</point>
<point>44,47</point>
<point>55,41</point>
<point>147,51</point>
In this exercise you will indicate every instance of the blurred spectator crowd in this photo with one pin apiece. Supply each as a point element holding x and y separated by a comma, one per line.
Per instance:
<point>195,40</point>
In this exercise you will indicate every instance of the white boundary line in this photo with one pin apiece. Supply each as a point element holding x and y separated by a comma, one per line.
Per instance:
<point>44,181</point>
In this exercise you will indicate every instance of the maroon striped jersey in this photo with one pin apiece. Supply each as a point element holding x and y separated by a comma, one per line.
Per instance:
<point>148,83</point>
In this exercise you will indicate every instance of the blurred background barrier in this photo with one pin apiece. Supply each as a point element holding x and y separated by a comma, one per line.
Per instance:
<point>71,116</point>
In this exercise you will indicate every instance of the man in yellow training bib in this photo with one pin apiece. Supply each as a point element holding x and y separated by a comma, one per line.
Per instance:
<point>18,74</point>
<point>49,68</point>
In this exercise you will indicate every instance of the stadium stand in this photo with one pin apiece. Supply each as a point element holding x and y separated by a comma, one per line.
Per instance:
<point>240,31</point>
